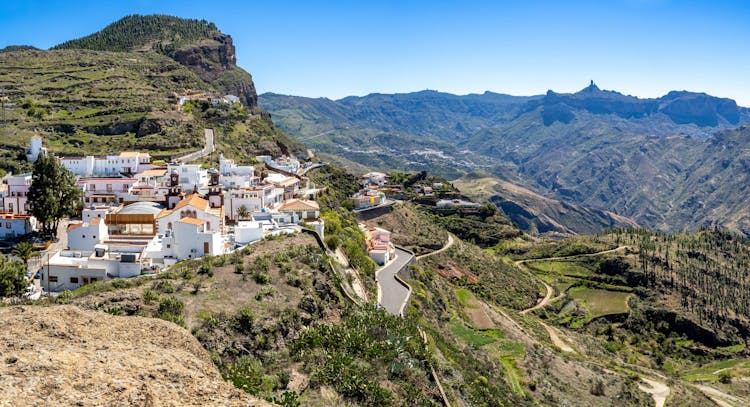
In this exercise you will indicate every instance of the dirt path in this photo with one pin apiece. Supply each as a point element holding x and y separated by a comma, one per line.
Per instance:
<point>721,398</point>
<point>445,247</point>
<point>519,262</point>
<point>658,390</point>
<point>553,335</point>
<point>543,302</point>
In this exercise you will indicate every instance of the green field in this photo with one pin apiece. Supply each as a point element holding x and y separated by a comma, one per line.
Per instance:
<point>475,337</point>
<point>710,371</point>
<point>466,298</point>
<point>601,302</point>
<point>566,268</point>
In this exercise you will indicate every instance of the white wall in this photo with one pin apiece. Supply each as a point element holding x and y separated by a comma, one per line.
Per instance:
<point>86,236</point>
<point>246,232</point>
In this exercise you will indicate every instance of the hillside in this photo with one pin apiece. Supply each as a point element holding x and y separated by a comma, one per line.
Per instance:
<point>600,150</point>
<point>535,213</point>
<point>64,355</point>
<point>95,102</point>
<point>196,44</point>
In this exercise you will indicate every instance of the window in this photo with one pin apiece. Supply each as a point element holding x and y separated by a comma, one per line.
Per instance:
<point>208,225</point>
<point>109,187</point>
<point>169,246</point>
<point>7,225</point>
<point>93,187</point>
<point>169,226</point>
<point>93,237</point>
<point>52,279</point>
<point>74,280</point>
<point>93,279</point>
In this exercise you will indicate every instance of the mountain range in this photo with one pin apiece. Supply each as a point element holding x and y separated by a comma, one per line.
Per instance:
<point>598,149</point>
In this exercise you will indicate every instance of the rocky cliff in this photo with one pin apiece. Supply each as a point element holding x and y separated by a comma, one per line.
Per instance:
<point>197,44</point>
<point>63,355</point>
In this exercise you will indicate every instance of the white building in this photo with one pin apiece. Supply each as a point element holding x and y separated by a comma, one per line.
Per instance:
<point>13,225</point>
<point>96,211</point>
<point>191,238</point>
<point>283,163</point>
<point>106,190</point>
<point>128,162</point>
<point>84,236</point>
<point>254,199</point>
<point>68,270</point>
<point>374,178</point>
<point>14,200</point>
<point>300,210</point>
<point>35,148</point>
<point>194,206</point>
<point>192,177</point>
<point>248,231</point>
<point>379,245</point>
<point>229,167</point>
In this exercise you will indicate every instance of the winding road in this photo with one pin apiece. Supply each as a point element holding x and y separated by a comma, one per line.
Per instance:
<point>445,247</point>
<point>393,294</point>
<point>207,149</point>
<point>548,295</point>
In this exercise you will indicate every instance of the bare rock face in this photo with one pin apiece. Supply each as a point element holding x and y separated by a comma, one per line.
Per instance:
<point>215,61</point>
<point>63,355</point>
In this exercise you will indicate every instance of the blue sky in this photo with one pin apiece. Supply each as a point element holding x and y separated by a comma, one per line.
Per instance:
<point>339,48</point>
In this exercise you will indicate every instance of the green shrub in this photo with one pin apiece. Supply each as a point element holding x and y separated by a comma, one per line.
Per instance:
<point>171,309</point>
<point>64,297</point>
<point>149,296</point>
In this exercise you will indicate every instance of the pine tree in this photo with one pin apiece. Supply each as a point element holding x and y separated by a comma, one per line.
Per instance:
<point>53,193</point>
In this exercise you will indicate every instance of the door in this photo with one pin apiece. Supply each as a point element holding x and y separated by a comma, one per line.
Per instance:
<point>205,247</point>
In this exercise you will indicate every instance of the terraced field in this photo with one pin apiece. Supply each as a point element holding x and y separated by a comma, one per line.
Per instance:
<point>79,95</point>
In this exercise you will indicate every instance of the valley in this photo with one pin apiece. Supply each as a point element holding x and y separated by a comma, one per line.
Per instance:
<point>415,249</point>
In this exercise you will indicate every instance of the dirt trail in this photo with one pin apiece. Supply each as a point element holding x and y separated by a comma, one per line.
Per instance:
<point>543,302</point>
<point>445,247</point>
<point>658,390</point>
<point>548,296</point>
<point>553,335</point>
<point>721,398</point>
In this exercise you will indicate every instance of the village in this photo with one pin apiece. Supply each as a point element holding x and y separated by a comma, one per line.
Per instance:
<point>141,217</point>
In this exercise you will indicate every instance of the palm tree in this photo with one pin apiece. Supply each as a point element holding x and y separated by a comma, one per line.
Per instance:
<point>24,251</point>
<point>242,212</point>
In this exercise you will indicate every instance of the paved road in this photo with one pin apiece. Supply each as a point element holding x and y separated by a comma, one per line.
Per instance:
<point>207,149</point>
<point>392,295</point>
<point>445,247</point>
<point>388,202</point>
<point>312,167</point>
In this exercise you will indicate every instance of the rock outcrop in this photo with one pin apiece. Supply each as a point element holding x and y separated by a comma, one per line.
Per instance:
<point>63,355</point>
<point>215,62</point>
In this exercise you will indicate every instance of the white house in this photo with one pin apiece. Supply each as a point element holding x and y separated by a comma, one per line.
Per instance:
<point>95,211</point>
<point>374,178</point>
<point>35,148</point>
<point>379,245</point>
<point>248,231</point>
<point>253,199</point>
<point>283,163</point>
<point>106,190</point>
<point>229,167</point>
<point>127,162</point>
<point>85,236</point>
<point>300,210</point>
<point>193,206</point>
<point>191,238</point>
<point>191,176</point>
<point>14,200</point>
<point>13,225</point>
<point>68,270</point>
